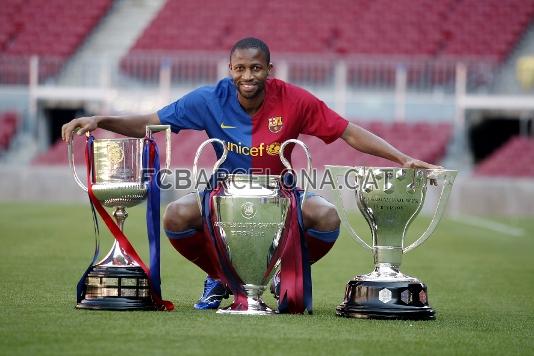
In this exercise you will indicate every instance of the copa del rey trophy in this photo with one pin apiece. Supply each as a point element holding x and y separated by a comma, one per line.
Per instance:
<point>250,215</point>
<point>121,173</point>
<point>389,199</point>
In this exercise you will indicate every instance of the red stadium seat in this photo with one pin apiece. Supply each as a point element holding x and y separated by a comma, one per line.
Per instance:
<point>431,28</point>
<point>514,159</point>
<point>46,28</point>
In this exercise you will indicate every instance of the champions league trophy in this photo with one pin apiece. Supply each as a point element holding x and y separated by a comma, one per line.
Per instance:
<point>118,282</point>
<point>250,214</point>
<point>390,199</point>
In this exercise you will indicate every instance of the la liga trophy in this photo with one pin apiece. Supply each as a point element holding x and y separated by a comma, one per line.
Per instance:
<point>119,178</point>
<point>389,199</point>
<point>250,215</point>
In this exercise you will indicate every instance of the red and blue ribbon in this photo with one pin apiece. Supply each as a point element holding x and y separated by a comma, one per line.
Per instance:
<point>151,163</point>
<point>295,272</point>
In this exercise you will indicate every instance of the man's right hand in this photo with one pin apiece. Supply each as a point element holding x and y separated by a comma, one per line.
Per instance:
<point>80,125</point>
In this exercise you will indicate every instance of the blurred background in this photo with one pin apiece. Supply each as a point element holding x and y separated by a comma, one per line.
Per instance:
<point>447,81</point>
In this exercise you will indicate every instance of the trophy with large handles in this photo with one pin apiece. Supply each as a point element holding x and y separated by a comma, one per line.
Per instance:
<point>389,199</point>
<point>250,218</point>
<point>122,173</point>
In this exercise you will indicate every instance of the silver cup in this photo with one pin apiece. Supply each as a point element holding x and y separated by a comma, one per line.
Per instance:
<point>251,215</point>
<point>117,282</point>
<point>389,199</point>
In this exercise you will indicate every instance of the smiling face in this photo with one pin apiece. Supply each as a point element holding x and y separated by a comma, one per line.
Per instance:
<point>249,70</point>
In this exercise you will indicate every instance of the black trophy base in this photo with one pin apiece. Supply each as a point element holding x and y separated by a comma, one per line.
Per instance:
<point>117,288</point>
<point>405,300</point>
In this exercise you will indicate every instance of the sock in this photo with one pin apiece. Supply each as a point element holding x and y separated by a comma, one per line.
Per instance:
<point>194,246</point>
<point>319,243</point>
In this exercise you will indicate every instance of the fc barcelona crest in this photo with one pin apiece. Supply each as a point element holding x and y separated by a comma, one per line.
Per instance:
<point>275,124</point>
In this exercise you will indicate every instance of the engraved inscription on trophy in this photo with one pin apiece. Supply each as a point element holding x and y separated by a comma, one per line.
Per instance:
<point>115,153</point>
<point>253,230</point>
<point>119,170</point>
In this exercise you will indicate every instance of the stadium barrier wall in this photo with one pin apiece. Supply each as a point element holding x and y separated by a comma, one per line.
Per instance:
<point>347,78</point>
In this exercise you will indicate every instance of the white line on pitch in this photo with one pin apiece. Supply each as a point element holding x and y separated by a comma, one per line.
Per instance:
<point>490,225</point>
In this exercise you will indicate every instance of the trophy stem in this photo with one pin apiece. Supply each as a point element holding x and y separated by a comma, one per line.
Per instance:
<point>388,243</point>
<point>254,291</point>
<point>387,255</point>
<point>255,305</point>
<point>386,269</point>
<point>120,214</point>
<point>116,256</point>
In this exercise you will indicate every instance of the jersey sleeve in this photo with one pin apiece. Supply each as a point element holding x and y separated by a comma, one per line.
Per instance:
<point>321,121</point>
<point>185,113</point>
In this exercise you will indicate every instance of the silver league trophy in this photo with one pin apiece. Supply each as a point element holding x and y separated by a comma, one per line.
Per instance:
<point>389,199</point>
<point>117,282</point>
<point>250,214</point>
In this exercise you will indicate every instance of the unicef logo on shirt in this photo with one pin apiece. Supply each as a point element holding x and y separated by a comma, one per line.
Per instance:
<point>248,210</point>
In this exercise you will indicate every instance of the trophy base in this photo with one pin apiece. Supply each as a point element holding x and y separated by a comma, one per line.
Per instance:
<point>406,300</point>
<point>117,288</point>
<point>255,307</point>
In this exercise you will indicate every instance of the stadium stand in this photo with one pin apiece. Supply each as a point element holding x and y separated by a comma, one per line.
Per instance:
<point>8,127</point>
<point>441,29</point>
<point>49,29</point>
<point>514,159</point>
<point>346,27</point>
<point>427,141</point>
<point>486,28</point>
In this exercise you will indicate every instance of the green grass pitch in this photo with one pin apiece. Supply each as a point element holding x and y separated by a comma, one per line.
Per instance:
<point>480,282</point>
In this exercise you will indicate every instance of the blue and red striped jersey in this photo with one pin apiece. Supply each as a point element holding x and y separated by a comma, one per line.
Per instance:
<point>254,141</point>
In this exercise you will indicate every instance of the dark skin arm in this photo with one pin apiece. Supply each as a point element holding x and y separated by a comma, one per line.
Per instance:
<point>128,125</point>
<point>367,142</point>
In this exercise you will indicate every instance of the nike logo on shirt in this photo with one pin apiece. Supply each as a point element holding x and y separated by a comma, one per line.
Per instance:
<point>223,126</point>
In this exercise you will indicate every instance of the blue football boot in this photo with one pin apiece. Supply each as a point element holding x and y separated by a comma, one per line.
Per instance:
<point>214,292</point>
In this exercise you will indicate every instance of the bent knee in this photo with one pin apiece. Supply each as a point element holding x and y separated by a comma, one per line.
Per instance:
<point>331,219</point>
<point>324,218</point>
<point>180,217</point>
